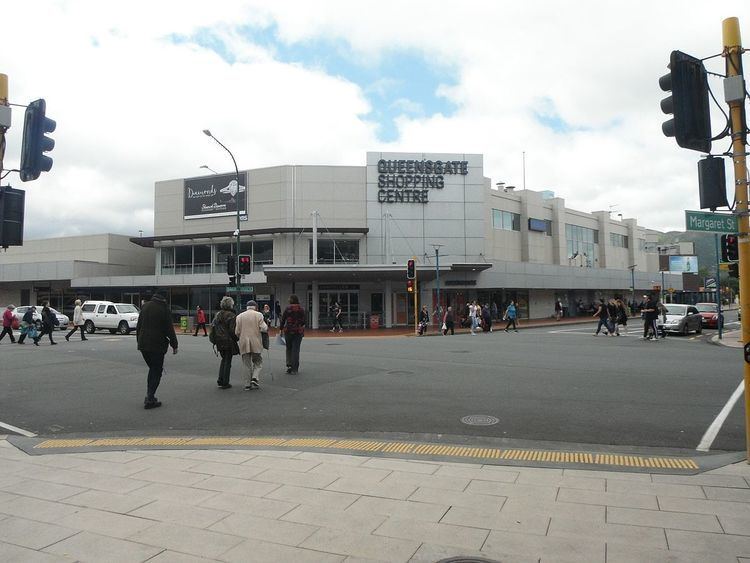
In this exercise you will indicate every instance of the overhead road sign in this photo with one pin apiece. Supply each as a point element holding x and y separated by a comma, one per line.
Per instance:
<point>705,222</point>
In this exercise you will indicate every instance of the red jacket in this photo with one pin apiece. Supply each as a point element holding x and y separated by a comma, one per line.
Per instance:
<point>7,318</point>
<point>201,317</point>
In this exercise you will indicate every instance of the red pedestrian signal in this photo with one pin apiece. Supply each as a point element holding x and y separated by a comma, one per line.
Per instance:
<point>730,251</point>
<point>410,286</point>
<point>246,264</point>
<point>410,270</point>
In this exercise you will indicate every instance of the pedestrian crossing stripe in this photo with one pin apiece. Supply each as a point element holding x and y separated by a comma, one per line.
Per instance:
<point>375,446</point>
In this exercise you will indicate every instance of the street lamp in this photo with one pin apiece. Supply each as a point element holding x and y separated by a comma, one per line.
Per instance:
<point>437,274</point>
<point>238,279</point>
<point>209,168</point>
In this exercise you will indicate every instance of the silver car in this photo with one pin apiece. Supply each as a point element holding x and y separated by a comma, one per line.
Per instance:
<point>681,319</point>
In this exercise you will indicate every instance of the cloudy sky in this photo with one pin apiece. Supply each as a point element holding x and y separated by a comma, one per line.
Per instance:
<point>573,85</point>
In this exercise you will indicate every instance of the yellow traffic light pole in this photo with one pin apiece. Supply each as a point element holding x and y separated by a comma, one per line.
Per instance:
<point>733,55</point>
<point>4,102</point>
<point>416,291</point>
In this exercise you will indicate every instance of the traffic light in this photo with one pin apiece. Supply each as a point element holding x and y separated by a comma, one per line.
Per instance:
<point>712,183</point>
<point>231,265</point>
<point>246,264</point>
<point>410,270</point>
<point>11,216</point>
<point>35,126</point>
<point>729,249</point>
<point>734,270</point>
<point>691,122</point>
<point>410,286</point>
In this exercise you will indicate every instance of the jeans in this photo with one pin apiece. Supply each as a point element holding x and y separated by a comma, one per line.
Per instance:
<point>606,324</point>
<point>155,363</point>
<point>9,331</point>
<point>73,331</point>
<point>293,344</point>
<point>225,368</point>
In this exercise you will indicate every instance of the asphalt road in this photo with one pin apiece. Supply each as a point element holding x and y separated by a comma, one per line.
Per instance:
<point>553,384</point>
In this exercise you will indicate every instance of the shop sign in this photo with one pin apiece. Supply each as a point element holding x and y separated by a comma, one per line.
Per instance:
<point>410,181</point>
<point>215,196</point>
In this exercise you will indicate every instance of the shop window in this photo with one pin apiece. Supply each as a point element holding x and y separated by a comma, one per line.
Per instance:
<point>167,260</point>
<point>183,260</point>
<point>336,251</point>
<point>202,259</point>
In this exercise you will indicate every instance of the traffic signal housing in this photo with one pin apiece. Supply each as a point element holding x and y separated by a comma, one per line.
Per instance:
<point>687,81</point>
<point>231,265</point>
<point>410,286</point>
<point>410,270</point>
<point>12,204</point>
<point>246,264</point>
<point>734,270</point>
<point>233,281</point>
<point>729,248</point>
<point>35,143</point>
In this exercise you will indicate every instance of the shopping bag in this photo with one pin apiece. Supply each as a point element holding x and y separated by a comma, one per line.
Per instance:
<point>280,340</point>
<point>444,328</point>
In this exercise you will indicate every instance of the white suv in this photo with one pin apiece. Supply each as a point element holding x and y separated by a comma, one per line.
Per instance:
<point>117,317</point>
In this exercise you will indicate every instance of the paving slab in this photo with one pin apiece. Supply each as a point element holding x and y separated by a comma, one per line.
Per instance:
<point>93,547</point>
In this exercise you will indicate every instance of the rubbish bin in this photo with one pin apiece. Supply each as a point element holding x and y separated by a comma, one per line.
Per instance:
<point>374,321</point>
<point>184,324</point>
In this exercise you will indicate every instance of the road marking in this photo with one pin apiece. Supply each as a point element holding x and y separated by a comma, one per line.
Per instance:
<point>414,449</point>
<point>17,430</point>
<point>713,430</point>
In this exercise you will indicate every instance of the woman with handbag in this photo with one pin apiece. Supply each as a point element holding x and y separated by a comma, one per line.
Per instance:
<point>28,326</point>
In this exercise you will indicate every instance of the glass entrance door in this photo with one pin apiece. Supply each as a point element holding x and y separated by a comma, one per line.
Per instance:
<point>349,301</point>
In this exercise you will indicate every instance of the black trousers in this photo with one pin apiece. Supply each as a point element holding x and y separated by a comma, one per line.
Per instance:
<point>9,331</point>
<point>73,331</point>
<point>155,363</point>
<point>449,327</point>
<point>511,321</point>
<point>225,368</point>
<point>198,327</point>
<point>46,329</point>
<point>293,344</point>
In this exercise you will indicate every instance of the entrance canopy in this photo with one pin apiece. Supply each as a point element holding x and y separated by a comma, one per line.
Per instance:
<point>343,273</point>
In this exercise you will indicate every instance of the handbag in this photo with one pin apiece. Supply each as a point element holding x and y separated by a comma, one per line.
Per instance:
<point>444,327</point>
<point>15,323</point>
<point>280,340</point>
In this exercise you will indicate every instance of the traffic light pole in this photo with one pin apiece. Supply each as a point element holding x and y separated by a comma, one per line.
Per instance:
<point>416,292</point>
<point>3,102</point>
<point>733,55</point>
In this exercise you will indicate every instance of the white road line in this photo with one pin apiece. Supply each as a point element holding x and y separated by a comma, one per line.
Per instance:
<point>713,430</point>
<point>17,430</point>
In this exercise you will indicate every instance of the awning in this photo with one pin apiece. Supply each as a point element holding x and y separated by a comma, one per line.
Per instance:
<point>347,273</point>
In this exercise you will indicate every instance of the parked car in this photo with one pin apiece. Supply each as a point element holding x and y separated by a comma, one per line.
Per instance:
<point>682,319</point>
<point>115,317</point>
<point>710,315</point>
<point>19,312</point>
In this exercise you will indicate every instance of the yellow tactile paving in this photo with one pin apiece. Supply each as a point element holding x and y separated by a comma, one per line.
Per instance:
<point>445,450</point>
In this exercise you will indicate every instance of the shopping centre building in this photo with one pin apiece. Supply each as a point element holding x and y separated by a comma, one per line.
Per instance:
<point>345,233</point>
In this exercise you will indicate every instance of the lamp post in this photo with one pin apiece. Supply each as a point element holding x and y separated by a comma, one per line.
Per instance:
<point>238,278</point>
<point>632,283</point>
<point>208,168</point>
<point>437,275</point>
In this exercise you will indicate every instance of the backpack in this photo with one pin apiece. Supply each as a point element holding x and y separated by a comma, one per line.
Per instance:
<point>218,333</point>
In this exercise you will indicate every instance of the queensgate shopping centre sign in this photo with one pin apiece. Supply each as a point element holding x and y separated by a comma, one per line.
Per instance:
<point>410,181</point>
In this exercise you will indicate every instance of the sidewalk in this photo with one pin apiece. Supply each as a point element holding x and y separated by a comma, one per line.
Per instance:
<point>244,505</point>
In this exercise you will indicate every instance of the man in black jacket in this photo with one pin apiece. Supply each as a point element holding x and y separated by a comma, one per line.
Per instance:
<point>155,332</point>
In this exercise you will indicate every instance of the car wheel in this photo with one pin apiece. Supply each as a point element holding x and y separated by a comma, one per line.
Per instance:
<point>123,328</point>
<point>89,327</point>
<point>685,329</point>
<point>699,330</point>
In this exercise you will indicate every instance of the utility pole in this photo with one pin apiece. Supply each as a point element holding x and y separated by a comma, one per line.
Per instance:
<point>4,115</point>
<point>733,54</point>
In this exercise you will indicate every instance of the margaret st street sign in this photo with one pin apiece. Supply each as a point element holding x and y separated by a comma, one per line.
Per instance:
<point>705,222</point>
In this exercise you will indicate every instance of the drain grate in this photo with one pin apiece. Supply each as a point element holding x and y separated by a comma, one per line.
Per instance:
<point>480,420</point>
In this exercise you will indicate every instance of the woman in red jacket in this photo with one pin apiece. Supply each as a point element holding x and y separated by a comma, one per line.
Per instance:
<point>200,321</point>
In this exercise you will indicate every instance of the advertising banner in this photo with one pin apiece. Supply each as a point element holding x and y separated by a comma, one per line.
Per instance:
<point>215,196</point>
<point>683,264</point>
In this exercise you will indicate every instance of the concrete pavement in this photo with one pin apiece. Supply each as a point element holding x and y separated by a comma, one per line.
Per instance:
<point>258,505</point>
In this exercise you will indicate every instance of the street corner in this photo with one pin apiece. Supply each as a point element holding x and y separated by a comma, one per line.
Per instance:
<point>730,339</point>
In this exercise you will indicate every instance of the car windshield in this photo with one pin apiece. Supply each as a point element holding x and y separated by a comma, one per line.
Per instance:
<point>706,307</point>
<point>127,308</point>
<point>677,310</point>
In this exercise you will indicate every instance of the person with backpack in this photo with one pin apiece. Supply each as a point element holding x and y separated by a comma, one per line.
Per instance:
<point>49,322</point>
<point>222,336</point>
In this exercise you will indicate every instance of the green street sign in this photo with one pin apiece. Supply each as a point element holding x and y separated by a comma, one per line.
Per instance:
<point>710,222</point>
<point>243,289</point>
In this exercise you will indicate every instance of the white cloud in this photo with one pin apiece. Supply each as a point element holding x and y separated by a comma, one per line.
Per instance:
<point>130,103</point>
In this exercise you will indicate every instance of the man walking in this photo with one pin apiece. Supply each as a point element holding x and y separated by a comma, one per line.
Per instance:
<point>200,321</point>
<point>510,316</point>
<point>248,326</point>
<point>155,333</point>
<point>8,324</point>
<point>448,321</point>
<point>49,321</point>
<point>602,312</point>
<point>78,322</point>
<point>650,314</point>
<point>293,326</point>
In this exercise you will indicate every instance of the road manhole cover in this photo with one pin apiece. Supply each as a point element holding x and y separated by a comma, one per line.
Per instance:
<point>480,420</point>
<point>400,372</point>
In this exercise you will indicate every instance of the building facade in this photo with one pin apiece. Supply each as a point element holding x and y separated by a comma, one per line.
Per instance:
<point>344,234</point>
